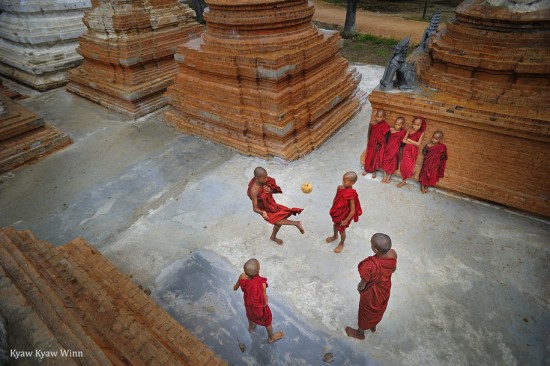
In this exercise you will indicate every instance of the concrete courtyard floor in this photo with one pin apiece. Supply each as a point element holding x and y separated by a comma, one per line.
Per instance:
<point>472,284</point>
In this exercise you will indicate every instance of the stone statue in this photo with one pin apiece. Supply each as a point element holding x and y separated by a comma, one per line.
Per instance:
<point>430,30</point>
<point>405,73</point>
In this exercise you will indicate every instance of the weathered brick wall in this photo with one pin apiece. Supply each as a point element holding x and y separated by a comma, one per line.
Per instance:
<point>501,158</point>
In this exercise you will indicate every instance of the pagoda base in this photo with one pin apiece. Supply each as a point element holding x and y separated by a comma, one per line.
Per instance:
<point>496,153</point>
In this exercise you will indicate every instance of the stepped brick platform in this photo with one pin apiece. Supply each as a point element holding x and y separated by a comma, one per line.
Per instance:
<point>263,80</point>
<point>129,51</point>
<point>10,93</point>
<point>71,299</point>
<point>486,85</point>
<point>38,40</point>
<point>25,137</point>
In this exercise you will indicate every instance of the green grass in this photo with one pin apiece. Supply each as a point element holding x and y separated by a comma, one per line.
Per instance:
<point>362,37</point>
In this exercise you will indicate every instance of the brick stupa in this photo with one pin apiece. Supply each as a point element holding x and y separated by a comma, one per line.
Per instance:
<point>24,136</point>
<point>129,53</point>
<point>486,85</point>
<point>38,40</point>
<point>263,79</point>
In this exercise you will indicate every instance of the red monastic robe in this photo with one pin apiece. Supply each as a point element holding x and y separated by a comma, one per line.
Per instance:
<point>375,146</point>
<point>376,272</point>
<point>266,202</point>
<point>340,207</point>
<point>254,300</point>
<point>433,166</point>
<point>390,162</point>
<point>410,154</point>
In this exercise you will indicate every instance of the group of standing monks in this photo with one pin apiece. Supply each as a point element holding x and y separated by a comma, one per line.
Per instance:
<point>388,149</point>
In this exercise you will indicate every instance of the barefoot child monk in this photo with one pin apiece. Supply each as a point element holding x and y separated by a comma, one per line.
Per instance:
<point>390,162</point>
<point>260,190</point>
<point>255,297</point>
<point>375,146</point>
<point>345,207</point>
<point>412,141</point>
<point>435,159</point>
<point>374,288</point>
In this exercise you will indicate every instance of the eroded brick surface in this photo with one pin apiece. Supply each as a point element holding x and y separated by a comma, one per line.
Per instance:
<point>79,303</point>
<point>263,80</point>
<point>129,51</point>
<point>488,74</point>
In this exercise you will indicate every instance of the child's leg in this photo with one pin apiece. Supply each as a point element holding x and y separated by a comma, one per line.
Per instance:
<point>298,224</point>
<point>356,333</point>
<point>340,246</point>
<point>402,183</point>
<point>251,326</point>
<point>389,178</point>
<point>374,174</point>
<point>273,337</point>
<point>273,237</point>
<point>385,177</point>
<point>332,238</point>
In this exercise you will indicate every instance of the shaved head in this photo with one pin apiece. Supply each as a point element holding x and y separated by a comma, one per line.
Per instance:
<point>351,176</point>
<point>260,172</point>
<point>438,135</point>
<point>252,267</point>
<point>381,242</point>
<point>381,112</point>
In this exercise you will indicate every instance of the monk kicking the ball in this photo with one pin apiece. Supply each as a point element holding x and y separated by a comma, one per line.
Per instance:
<point>345,207</point>
<point>260,190</point>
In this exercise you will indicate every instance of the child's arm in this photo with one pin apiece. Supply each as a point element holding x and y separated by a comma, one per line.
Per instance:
<point>361,286</point>
<point>254,194</point>
<point>351,213</point>
<point>406,137</point>
<point>265,294</point>
<point>416,143</point>
<point>236,285</point>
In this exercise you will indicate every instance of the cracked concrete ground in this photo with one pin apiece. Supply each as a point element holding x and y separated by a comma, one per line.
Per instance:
<point>472,284</point>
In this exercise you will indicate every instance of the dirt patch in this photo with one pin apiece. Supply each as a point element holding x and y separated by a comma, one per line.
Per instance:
<point>408,9</point>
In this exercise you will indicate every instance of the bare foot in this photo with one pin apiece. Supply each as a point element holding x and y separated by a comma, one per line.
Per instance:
<point>354,333</point>
<point>373,329</point>
<point>276,240</point>
<point>401,184</point>
<point>251,328</point>
<point>300,227</point>
<point>364,173</point>
<point>330,239</point>
<point>339,248</point>
<point>373,175</point>
<point>276,337</point>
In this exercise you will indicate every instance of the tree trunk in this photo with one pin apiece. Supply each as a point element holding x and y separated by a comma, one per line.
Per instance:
<point>349,26</point>
<point>425,8</point>
<point>198,10</point>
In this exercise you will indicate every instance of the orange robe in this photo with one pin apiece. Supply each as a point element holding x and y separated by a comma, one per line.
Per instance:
<point>340,207</point>
<point>266,202</point>
<point>376,272</point>
<point>257,310</point>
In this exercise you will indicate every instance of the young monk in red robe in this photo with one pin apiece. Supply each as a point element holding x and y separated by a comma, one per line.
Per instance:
<point>345,207</point>
<point>412,141</point>
<point>260,190</point>
<point>255,297</point>
<point>435,159</point>
<point>390,162</point>
<point>375,285</point>
<point>376,143</point>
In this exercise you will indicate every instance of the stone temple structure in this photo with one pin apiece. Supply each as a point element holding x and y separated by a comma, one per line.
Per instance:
<point>24,136</point>
<point>263,79</point>
<point>38,40</point>
<point>486,79</point>
<point>129,51</point>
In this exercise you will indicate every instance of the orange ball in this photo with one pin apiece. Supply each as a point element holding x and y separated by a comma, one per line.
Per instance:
<point>307,187</point>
